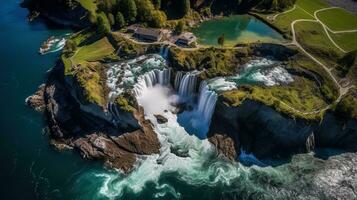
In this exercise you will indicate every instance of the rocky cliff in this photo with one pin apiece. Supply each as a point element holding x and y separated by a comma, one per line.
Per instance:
<point>267,133</point>
<point>90,129</point>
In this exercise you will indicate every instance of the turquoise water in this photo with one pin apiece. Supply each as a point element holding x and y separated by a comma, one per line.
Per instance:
<point>236,29</point>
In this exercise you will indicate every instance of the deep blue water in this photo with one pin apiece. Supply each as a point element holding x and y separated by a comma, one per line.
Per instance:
<point>29,167</point>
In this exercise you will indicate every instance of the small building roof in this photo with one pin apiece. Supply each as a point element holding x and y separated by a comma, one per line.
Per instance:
<point>148,32</point>
<point>187,36</point>
<point>133,27</point>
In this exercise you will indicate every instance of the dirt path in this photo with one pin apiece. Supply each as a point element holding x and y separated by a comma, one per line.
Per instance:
<point>342,90</point>
<point>275,16</point>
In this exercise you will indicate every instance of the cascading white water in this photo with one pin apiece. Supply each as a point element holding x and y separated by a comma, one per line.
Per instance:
<point>151,78</point>
<point>122,76</point>
<point>198,164</point>
<point>137,75</point>
<point>198,120</point>
<point>178,79</point>
<point>206,102</point>
<point>188,84</point>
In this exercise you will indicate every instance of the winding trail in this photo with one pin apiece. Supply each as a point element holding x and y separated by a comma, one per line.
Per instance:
<point>342,90</point>
<point>328,28</point>
<point>275,16</point>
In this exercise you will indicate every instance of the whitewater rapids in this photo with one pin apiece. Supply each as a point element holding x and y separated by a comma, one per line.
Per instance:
<point>183,158</point>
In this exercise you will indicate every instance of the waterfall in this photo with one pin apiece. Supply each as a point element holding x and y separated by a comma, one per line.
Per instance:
<point>198,120</point>
<point>188,85</point>
<point>164,51</point>
<point>178,79</point>
<point>206,103</point>
<point>152,78</point>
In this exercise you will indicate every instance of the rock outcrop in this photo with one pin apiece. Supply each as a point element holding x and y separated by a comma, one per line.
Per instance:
<point>73,125</point>
<point>36,101</point>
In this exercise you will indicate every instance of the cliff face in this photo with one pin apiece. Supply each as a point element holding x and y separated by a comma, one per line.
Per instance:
<point>86,127</point>
<point>263,131</point>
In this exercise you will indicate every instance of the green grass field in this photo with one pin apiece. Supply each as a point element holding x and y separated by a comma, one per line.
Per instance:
<point>84,65</point>
<point>311,6</point>
<point>303,95</point>
<point>347,41</point>
<point>284,21</point>
<point>93,52</point>
<point>338,19</point>
<point>312,37</point>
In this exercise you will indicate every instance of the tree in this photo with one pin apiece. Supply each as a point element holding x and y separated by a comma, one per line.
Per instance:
<point>220,40</point>
<point>274,5</point>
<point>158,19</point>
<point>157,4</point>
<point>146,10</point>
<point>106,5</point>
<point>186,6</point>
<point>119,19</point>
<point>129,10</point>
<point>179,27</point>
<point>103,25</point>
<point>111,19</point>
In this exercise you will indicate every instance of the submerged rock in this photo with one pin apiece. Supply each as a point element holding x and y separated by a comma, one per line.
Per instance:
<point>160,119</point>
<point>224,145</point>
<point>180,152</point>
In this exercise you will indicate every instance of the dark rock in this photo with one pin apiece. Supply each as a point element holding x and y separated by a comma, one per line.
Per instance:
<point>179,108</point>
<point>179,151</point>
<point>160,119</point>
<point>224,145</point>
<point>337,133</point>
<point>88,129</point>
<point>36,101</point>
<point>267,133</point>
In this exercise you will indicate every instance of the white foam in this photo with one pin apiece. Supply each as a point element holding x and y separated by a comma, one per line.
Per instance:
<point>56,44</point>
<point>195,161</point>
